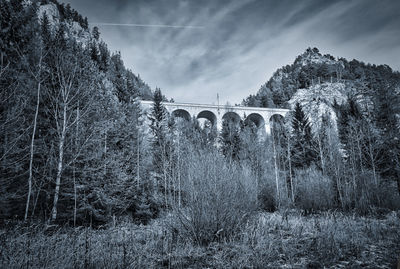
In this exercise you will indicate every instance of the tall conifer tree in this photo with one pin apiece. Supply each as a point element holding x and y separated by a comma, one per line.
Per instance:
<point>303,153</point>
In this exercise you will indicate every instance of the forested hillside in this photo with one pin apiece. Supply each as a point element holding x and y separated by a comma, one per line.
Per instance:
<point>312,68</point>
<point>69,114</point>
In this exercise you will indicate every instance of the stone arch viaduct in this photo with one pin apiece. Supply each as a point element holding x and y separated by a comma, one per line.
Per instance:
<point>216,113</point>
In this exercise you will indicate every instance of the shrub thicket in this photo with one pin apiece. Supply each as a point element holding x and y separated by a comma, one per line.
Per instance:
<point>220,197</point>
<point>313,191</point>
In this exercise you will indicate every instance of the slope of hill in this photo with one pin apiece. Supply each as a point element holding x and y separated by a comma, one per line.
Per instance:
<point>312,68</point>
<point>64,20</point>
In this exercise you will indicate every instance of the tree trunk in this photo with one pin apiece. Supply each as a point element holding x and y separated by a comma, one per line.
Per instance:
<point>360,151</point>
<point>31,152</point>
<point>353,167</point>
<point>138,160</point>
<point>336,169</point>
<point>397,161</point>
<point>276,171</point>
<point>165,175</point>
<point>60,163</point>
<point>372,157</point>
<point>290,168</point>
<point>105,153</point>
<point>398,184</point>
<point>33,139</point>
<point>179,173</point>
<point>36,199</point>
<point>171,176</point>
<point>76,148</point>
<point>321,154</point>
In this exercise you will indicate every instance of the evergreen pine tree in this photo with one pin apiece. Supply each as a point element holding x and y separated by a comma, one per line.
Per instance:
<point>117,74</point>
<point>96,33</point>
<point>387,108</point>
<point>59,39</point>
<point>350,123</point>
<point>104,57</point>
<point>303,153</point>
<point>230,139</point>
<point>158,125</point>
<point>94,52</point>
<point>46,31</point>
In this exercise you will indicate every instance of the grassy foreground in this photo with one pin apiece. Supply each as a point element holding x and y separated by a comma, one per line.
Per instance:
<point>270,240</point>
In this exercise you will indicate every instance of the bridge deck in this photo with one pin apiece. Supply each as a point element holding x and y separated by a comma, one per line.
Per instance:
<point>227,107</point>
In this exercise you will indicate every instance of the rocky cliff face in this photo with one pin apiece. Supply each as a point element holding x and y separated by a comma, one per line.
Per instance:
<point>319,100</point>
<point>73,29</point>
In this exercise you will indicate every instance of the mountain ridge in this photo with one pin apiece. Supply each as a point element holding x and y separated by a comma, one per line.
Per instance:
<point>75,26</point>
<point>311,68</point>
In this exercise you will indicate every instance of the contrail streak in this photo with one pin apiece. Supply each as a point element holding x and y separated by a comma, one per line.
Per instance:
<point>147,25</point>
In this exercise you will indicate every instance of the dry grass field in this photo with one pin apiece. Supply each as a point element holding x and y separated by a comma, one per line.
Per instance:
<point>269,240</point>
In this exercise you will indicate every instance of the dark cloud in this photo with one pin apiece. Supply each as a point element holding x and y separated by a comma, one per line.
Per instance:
<point>243,42</point>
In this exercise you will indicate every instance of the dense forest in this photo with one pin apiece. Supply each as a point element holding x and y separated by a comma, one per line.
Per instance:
<point>69,113</point>
<point>78,152</point>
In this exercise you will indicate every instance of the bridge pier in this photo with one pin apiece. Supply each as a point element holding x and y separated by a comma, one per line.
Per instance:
<point>267,128</point>
<point>219,124</point>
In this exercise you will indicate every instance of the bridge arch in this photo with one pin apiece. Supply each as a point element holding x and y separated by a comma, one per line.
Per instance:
<point>277,122</point>
<point>207,114</point>
<point>232,116</point>
<point>181,113</point>
<point>277,118</point>
<point>257,119</point>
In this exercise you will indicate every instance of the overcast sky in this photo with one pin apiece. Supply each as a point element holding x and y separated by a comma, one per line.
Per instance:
<point>233,47</point>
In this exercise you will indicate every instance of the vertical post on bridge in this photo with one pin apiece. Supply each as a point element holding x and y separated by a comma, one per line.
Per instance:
<point>219,122</point>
